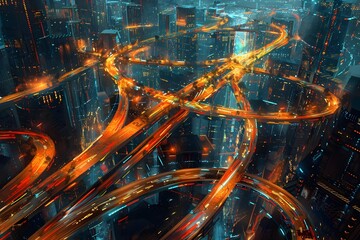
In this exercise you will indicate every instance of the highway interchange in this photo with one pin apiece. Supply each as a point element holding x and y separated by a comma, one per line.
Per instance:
<point>27,200</point>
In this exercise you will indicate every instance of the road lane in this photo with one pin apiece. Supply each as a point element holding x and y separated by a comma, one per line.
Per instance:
<point>123,197</point>
<point>45,152</point>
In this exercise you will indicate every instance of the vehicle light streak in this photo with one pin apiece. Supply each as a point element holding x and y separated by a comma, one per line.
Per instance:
<point>155,184</point>
<point>117,135</point>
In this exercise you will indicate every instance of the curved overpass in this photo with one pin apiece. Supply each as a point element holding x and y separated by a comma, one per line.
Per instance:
<point>116,135</point>
<point>45,152</point>
<point>125,196</point>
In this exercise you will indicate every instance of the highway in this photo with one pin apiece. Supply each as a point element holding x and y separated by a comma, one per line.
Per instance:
<point>124,166</point>
<point>44,192</point>
<point>191,225</point>
<point>46,83</point>
<point>45,152</point>
<point>31,90</point>
<point>121,169</point>
<point>47,190</point>
<point>117,135</point>
<point>223,112</point>
<point>106,144</point>
<point>125,196</point>
<point>234,171</point>
<point>131,56</point>
<point>218,195</point>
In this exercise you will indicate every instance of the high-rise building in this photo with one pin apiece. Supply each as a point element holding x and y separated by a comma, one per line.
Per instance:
<point>108,39</point>
<point>311,31</point>
<point>25,37</point>
<point>215,45</point>
<point>149,16</point>
<point>58,4</point>
<point>289,24</point>
<point>114,14</point>
<point>93,19</point>
<point>286,68</point>
<point>354,34</point>
<point>80,89</point>
<point>167,22</point>
<point>200,15</point>
<point>149,11</point>
<point>63,17</point>
<point>6,80</point>
<point>334,192</point>
<point>224,43</point>
<point>166,47</point>
<point>205,42</point>
<point>326,39</point>
<point>334,40</point>
<point>186,44</point>
<point>132,18</point>
<point>64,33</point>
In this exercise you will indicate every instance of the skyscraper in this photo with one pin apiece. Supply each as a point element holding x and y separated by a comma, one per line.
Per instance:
<point>224,44</point>
<point>334,38</point>
<point>132,17</point>
<point>6,79</point>
<point>25,37</point>
<point>329,27</point>
<point>335,190</point>
<point>186,45</point>
<point>93,17</point>
<point>149,11</point>
<point>114,14</point>
<point>149,16</point>
<point>166,22</point>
